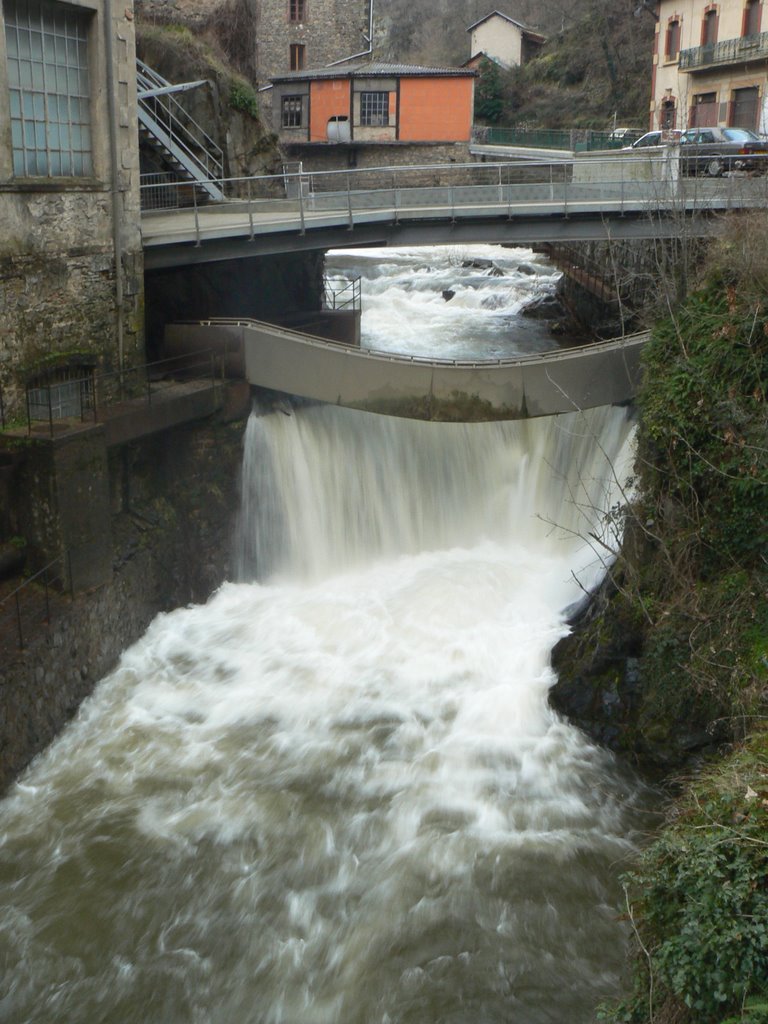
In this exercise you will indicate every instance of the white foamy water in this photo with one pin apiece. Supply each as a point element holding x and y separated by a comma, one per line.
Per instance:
<point>405,311</point>
<point>338,794</point>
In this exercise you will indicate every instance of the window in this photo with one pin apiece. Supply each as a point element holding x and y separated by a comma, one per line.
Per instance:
<point>704,110</point>
<point>292,109</point>
<point>297,56</point>
<point>50,93</point>
<point>668,115</point>
<point>672,47</point>
<point>374,108</point>
<point>745,108</point>
<point>709,29</point>
<point>296,10</point>
<point>751,18</point>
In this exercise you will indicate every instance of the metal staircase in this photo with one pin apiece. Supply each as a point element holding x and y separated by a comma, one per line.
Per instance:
<point>182,145</point>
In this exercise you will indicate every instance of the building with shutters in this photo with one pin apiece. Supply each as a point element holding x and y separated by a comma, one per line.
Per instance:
<point>710,65</point>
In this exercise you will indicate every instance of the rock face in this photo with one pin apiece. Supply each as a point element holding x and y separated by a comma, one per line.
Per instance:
<point>226,106</point>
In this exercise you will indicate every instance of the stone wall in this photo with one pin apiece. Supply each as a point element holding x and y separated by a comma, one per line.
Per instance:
<point>330,31</point>
<point>174,502</point>
<point>62,292</point>
<point>335,157</point>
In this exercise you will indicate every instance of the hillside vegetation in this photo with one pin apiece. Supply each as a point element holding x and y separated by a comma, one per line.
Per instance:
<point>690,600</point>
<point>595,66</point>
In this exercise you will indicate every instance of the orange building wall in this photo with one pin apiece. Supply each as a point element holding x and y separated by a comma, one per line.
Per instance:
<point>328,98</point>
<point>435,109</point>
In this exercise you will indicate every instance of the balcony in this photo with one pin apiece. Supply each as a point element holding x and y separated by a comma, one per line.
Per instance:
<point>729,51</point>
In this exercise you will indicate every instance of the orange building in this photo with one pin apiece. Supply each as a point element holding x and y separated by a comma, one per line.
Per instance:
<point>359,105</point>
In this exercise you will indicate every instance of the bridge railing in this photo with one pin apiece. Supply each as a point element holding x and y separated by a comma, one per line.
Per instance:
<point>652,177</point>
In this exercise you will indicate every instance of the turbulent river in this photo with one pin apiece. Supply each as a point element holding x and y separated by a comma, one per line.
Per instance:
<point>337,795</point>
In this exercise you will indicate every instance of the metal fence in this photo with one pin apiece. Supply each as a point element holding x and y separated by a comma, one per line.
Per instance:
<point>30,605</point>
<point>89,398</point>
<point>342,293</point>
<point>578,140</point>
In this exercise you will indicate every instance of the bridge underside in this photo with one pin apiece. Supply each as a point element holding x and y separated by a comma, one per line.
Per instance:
<point>272,357</point>
<point>234,241</point>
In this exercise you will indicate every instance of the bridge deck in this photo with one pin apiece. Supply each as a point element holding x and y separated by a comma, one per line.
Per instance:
<point>520,203</point>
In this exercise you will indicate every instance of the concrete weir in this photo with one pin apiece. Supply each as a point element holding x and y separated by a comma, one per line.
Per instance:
<point>269,356</point>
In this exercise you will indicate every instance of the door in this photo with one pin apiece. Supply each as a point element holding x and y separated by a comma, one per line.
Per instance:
<point>744,108</point>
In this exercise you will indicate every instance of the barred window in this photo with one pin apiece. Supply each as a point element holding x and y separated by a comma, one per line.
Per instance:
<point>292,109</point>
<point>374,108</point>
<point>49,85</point>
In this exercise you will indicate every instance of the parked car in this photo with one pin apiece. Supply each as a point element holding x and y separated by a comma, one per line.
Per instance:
<point>624,134</point>
<point>715,150</point>
<point>656,138</point>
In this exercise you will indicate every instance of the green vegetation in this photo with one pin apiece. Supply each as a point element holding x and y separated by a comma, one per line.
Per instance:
<point>699,902</point>
<point>596,69</point>
<point>694,584</point>
<point>243,98</point>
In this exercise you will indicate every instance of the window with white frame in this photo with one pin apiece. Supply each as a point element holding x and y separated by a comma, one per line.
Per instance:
<point>374,108</point>
<point>49,85</point>
<point>292,111</point>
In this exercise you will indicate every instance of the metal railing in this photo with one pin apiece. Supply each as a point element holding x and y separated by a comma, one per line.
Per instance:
<point>578,140</point>
<point>655,180</point>
<point>28,607</point>
<point>100,392</point>
<point>372,354</point>
<point>342,293</point>
<point>728,51</point>
<point>199,157</point>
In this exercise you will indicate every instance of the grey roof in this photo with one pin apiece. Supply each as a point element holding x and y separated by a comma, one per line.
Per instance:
<point>523,28</point>
<point>370,69</point>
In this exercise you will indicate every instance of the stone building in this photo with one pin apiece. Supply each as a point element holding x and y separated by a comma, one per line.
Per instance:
<point>297,34</point>
<point>70,243</point>
<point>710,65</point>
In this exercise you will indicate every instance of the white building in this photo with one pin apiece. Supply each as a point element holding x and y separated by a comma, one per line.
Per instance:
<point>710,65</point>
<point>503,40</point>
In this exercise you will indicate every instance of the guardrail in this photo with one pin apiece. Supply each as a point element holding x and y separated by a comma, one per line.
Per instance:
<point>342,293</point>
<point>401,186</point>
<point>90,397</point>
<point>727,51</point>
<point>315,341</point>
<point>28,607</point>
<point>579,140</point>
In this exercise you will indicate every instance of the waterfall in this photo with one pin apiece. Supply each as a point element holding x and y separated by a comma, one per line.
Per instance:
<point>336,792</point>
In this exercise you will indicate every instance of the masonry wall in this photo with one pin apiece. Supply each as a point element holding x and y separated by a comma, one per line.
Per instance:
<point>337,157</point>
<point>60,299</point>
<point>173,503</point>
<point>332,30</point>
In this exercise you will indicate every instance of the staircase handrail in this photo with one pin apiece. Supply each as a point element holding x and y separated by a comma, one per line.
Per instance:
<point>164,112</point>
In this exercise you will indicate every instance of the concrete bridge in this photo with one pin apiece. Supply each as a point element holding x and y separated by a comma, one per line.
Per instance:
<point>604,373</point>
<point>589,196</point>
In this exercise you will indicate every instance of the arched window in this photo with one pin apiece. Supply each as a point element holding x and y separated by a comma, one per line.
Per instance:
<point>709,28</point>
<point>751,25</point>
<point>672,44</point>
